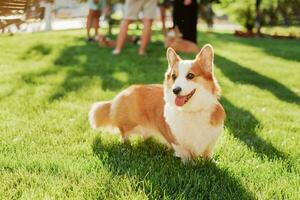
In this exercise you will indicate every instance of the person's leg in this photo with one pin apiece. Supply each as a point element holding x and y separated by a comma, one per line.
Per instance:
<point>163,18</point>
<point>132,8</point>
<point>178,14</point>
<point>149,13</point>
<point>96,26</point>
<point>146,35</point>
<point>95,22</point>
<point>190,22</point>
<point>122,36</point>
<point>88,24</point>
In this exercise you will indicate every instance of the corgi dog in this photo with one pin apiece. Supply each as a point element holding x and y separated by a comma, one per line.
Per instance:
<point>192,109</point>
<point>184,111</point>
<point>174,40</point>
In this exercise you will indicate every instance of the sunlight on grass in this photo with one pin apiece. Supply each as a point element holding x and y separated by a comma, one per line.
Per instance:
<point>121,76</point>
<point>48,150</point>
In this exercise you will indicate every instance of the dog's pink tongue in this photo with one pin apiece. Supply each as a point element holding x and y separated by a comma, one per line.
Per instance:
<point>180,100</point>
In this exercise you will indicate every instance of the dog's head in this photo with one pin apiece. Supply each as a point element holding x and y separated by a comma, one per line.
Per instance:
<point>190,85</point>
<point>171,35</point>
<point>174,33</point>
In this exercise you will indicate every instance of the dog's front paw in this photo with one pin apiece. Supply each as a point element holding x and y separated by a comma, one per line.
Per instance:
<point>183,153</point>
<point>123,140</point>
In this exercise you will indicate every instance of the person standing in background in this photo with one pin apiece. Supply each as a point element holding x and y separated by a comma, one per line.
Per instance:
<point>95,9</point>
<point>163,6</point>
<point>185,17</point>
<point>132,10</point>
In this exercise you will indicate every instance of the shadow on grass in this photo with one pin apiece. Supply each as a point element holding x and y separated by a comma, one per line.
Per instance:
<point>87,61</point>
<point>283,48</point>
<point>243,125</point>
<point>4,95</point>
<point>82,62</point>
<point>239,74</point>
<point>162,176</point>
<point>37,50</point>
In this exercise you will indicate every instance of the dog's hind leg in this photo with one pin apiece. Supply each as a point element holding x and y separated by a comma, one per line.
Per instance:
<point>125,130</point>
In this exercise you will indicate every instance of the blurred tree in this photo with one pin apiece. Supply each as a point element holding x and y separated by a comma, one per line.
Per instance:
<point>289,11</point>
<point>269,13</point>
<point>256,13</point>
<point>206,12</point>
<point>241,11</point>
<point>258,18</point>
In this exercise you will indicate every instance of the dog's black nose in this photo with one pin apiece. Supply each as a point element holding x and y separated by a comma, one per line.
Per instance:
<point>177,90</point>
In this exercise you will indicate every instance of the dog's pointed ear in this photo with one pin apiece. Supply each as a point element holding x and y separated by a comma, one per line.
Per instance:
<point>205,58</point>
<point>172,57</point>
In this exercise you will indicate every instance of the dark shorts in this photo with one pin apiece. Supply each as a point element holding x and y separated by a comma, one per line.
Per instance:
<point>165,3</point>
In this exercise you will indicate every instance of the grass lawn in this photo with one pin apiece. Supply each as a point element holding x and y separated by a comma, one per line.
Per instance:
<point>48,151</point>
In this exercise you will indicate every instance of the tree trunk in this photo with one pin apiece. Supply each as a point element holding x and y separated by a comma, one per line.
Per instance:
<point>258,22</point>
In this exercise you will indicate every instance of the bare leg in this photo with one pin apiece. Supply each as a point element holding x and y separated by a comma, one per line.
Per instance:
<point>96,31</point>
<point>122,36</point>
<point>88,25</point>
<point>96,25</point>
<point>146,35</point>
<point>163,18</point>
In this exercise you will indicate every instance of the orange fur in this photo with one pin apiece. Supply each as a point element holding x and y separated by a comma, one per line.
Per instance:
<point>179,44</point>
<point>204,75</point>
<point>137,106</point>
<point>205,78</point>
<point>182,45</point>
<point>106,42</point>
<point>101,113</point>
<point>204,69</point>
<point>142,108</point>
<point>218,115</point>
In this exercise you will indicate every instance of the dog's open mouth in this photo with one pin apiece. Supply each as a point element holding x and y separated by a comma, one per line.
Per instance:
<point>181,100</point>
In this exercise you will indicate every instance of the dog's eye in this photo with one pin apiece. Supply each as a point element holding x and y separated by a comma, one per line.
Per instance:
<point>174,76</point>
<point>190,76</point>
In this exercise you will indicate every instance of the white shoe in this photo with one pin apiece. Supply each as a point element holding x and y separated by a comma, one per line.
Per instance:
<point>116,52</point>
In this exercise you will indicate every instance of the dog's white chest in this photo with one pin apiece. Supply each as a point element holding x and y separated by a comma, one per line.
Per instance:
<point>192,130</point>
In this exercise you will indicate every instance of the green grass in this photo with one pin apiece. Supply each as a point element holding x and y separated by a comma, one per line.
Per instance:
<point>48,151</point>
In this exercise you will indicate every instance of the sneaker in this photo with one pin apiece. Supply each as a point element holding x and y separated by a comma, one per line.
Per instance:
<point>142,53</point>
<point>116,52</point>
<point>90,40</point>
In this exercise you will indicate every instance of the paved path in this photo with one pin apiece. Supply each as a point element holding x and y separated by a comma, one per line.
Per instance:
<point>79,23</point>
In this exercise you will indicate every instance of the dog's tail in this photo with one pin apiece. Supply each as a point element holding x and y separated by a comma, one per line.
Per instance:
<point>100,114</point>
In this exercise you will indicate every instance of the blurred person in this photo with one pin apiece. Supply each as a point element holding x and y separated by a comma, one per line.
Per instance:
<point>185,17</point>
<point>163,6</point>
<point>132,10</point>
<point>95,10</point>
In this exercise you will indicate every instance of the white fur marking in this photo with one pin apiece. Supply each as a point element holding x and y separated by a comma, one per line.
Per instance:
<point>190,123</point>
